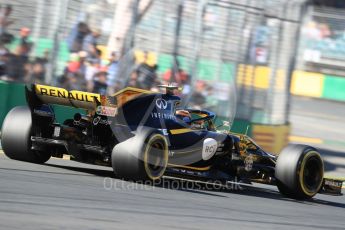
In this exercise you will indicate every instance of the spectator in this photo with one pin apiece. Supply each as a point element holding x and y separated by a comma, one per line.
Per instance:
<point>100,82</point>
<point>38,71</point>
<point>27,78</point>
<point>82,63</point>
<point>198,98</point>
<point>95,55</point>
<point>144,76</point>
<point>74,64</point>
<point>16,62</point>
<point>74,74</point>
<point>90,42</point>
<point>25,44</point>
<point>5,37</point>
<point>92,68</point>
<point>3,59</point>
<point>180,77</point>
<point>312,31</point>
<point>76,37</point>
<point>15,66</point>
<point>325,31</point>
<point>113,68</point>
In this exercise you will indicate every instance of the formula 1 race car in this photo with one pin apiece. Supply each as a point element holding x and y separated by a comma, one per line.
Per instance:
<point>145,136</point>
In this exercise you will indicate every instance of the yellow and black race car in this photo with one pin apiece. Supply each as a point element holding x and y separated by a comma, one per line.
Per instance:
<point>145,136</point>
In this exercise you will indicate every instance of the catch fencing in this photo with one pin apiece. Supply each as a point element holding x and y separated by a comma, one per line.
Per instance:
<point>237,53</point>
<point>251,44</point>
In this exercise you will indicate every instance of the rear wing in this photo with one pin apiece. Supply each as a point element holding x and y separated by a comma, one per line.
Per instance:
<point>60,96</point>
<point>43,94</point>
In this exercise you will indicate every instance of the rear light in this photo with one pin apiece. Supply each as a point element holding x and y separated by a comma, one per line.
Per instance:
<point>57,131</point>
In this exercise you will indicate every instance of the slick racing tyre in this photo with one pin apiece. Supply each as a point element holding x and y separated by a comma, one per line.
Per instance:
<point>16,137</point>
<point>142,157</point>
<point>299,172</point>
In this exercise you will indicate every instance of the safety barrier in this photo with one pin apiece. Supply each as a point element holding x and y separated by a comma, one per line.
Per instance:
<point>318,85</point>
<point>308,84</point>
<point>11,95</point>
<point>272,138</point>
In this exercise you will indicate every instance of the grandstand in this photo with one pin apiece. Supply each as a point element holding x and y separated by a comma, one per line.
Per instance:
<point>322,47</point>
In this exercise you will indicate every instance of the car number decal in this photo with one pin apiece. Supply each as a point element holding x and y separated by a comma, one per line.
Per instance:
<point>209,148</point>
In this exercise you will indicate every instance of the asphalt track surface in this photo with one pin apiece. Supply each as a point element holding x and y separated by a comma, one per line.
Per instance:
<point>63,194</point>
<point>67,195</point>
<point>319,120</point>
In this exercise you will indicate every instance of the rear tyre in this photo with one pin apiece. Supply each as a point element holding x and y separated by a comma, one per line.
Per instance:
<point>299,172</point>
<point>142,157</point>
<point>16,137</point>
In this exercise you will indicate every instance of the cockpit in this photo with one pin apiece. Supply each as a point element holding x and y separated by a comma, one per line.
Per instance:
<point>196,119</point>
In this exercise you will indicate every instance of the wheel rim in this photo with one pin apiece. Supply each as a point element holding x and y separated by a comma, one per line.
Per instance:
<point>156,157</point>
<point>311,173</point>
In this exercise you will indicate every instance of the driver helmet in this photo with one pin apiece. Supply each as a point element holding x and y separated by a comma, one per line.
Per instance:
<point>183,115</point>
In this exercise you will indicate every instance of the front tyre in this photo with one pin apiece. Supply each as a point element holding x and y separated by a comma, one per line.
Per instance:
<point>299,172</point>
<point>16,137</point>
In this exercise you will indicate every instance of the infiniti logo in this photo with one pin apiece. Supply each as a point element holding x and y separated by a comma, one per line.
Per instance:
<point>96,120</point>
<point>161,103</point>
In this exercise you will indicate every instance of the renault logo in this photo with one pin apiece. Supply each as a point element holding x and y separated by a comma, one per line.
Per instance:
<point>161,103</point>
